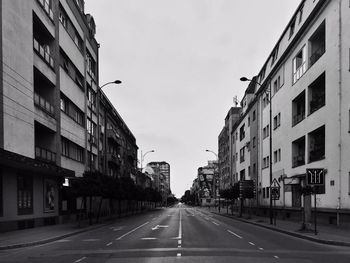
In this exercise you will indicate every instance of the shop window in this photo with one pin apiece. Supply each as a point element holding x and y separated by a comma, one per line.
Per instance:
<point>24,194</point>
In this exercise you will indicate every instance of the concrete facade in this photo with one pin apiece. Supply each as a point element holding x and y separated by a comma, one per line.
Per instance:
<point>307,75</point>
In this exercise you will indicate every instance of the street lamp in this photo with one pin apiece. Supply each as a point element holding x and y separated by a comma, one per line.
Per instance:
<point>267,91</point>
<point>216,175</point>
<point>91,135</point>
<point>143,157</point>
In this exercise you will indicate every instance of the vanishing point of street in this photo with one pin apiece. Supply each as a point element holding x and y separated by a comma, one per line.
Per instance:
<point>178,234</point>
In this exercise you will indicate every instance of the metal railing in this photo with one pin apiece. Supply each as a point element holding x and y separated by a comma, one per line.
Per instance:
<point>45,5</point>
<point>316,55</point>
<point>44,154</point>
<point>298,118</point>
<point>40,49</point>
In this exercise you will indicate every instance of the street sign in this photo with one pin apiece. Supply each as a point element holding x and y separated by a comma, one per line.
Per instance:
<point>246,189</point>
<point>315,176</point>
<point>275,183</point>
<point>275,193</point>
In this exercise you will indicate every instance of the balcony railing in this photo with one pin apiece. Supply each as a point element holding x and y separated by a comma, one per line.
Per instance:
<point>44,104</point>
<point>45,5</point>
<point>298,160</point>
<point>45,155</point>
<point>316,155</point>
<point>299,72</point>
<point>316,55</point>
<point>298,118</point>
<point>40,50</point>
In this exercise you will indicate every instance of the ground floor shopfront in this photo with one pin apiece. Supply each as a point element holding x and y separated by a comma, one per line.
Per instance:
<point>29,191</point>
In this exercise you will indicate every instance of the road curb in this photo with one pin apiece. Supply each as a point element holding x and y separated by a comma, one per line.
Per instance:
<point>298,235</point>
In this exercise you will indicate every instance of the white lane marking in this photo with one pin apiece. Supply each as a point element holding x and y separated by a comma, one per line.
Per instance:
<point>234,234</point>
<point>81,259</point>
<point>63,240</point>
<point>207,218</point>
<point>117,228</point>
<point>275,256</point>
<point>178,255</point>
<point>251,243</point>
<point>261,248</point>
<point>110,243</point>
<point>215,223</point>
<point>180,226</point>
<point>131,231</point>
<point>179,246</point>
<point>159,226</point>
<point>90,240</point>
<point>148,238</point>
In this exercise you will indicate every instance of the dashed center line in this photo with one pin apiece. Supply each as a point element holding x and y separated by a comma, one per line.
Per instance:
<point>251,243</point>
<point>275,256</point>
<point>261,248</point>
<point>178,255</point>
<point>215,223</point>
<point>110,243</point>
<point>234,234</point>
<point>149,238</point>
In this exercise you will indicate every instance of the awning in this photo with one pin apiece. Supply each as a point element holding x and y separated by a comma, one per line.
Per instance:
<point>20,162</point>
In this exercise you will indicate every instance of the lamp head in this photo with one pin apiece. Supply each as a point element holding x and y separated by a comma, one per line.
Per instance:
<point>117,81</point>
<point>244,79</point>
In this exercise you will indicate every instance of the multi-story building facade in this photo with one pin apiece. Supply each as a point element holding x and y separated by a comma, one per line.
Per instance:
<point>208,184</point>
<point>306,79</point>
<point>226,154</point>
<point>49,107</point>
<point>164,168</point>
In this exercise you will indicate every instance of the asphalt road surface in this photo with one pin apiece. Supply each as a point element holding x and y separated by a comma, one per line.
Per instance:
<point>179,234</point>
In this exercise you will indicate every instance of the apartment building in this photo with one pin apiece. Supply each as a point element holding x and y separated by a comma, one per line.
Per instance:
<point>208,184</point>
<point>226,154</point>
<point>49,109</point>
<point>307,76</point>
<point>164,168</point>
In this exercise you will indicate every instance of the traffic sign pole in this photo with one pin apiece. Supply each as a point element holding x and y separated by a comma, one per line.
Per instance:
<point>315,211</point>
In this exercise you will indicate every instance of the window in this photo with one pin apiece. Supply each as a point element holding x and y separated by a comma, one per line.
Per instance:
<point>317,144</point>
<point>24,194</point>
<point>292,28</point>
<point>264,192</point>
<point>71,110</point>
<point>249,171</point>
<point>241,154</point>
<point>349,184</point>
<point>298,109</point>
<point>254,142</point>
<point>274,55</point>
<point>72,150</point>
<point>317,44</point>
<point>298,152</point>
<point>277,156</point>
<point>301,14</point>
<point>267,192</point>
<point>91,127</point>
<point>254,115</point>
<point>266,162</point>
<point>248,121</point>
<point>299,64</point>
<point>262,75</point>
<point>317,94</point>
<point>241,133</point>
<point>277,121</point>
<point>266,131</point>
<point>254,169</point>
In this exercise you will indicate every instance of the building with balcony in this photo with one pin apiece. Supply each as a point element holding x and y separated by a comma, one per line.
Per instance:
<point>49,110</point>
<point>164,169</point>
<point>307,76</point>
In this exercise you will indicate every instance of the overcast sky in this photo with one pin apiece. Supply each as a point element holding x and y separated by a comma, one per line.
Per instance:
<point>180,62</point>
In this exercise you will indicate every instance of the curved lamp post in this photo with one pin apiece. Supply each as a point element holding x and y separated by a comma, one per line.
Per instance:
<point>267,91</point>
<point>143,157</point>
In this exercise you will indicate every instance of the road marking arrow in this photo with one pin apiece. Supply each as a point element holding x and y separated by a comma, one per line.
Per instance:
<point>159,226</point>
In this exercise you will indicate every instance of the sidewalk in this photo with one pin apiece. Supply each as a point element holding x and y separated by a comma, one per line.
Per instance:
<point>44,234</point>
<point>327,234</point>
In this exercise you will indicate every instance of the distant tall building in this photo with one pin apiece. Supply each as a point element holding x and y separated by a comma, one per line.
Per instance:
<point>164,168</point>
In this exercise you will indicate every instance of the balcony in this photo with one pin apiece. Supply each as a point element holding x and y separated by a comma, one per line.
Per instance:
<point>316,55</point>
<point>45,5</point>
<point>111,134</point>
<point>114,158</point>
<point>298,118</point>
<point>45,155</point>
<point>316,104</point>
<point>44,104</point>
<point>298,160</point>
<point>92,139</point>
<point>41,50</point>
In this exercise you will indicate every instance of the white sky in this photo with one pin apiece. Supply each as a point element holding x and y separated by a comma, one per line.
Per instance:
<point>180,62</point>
